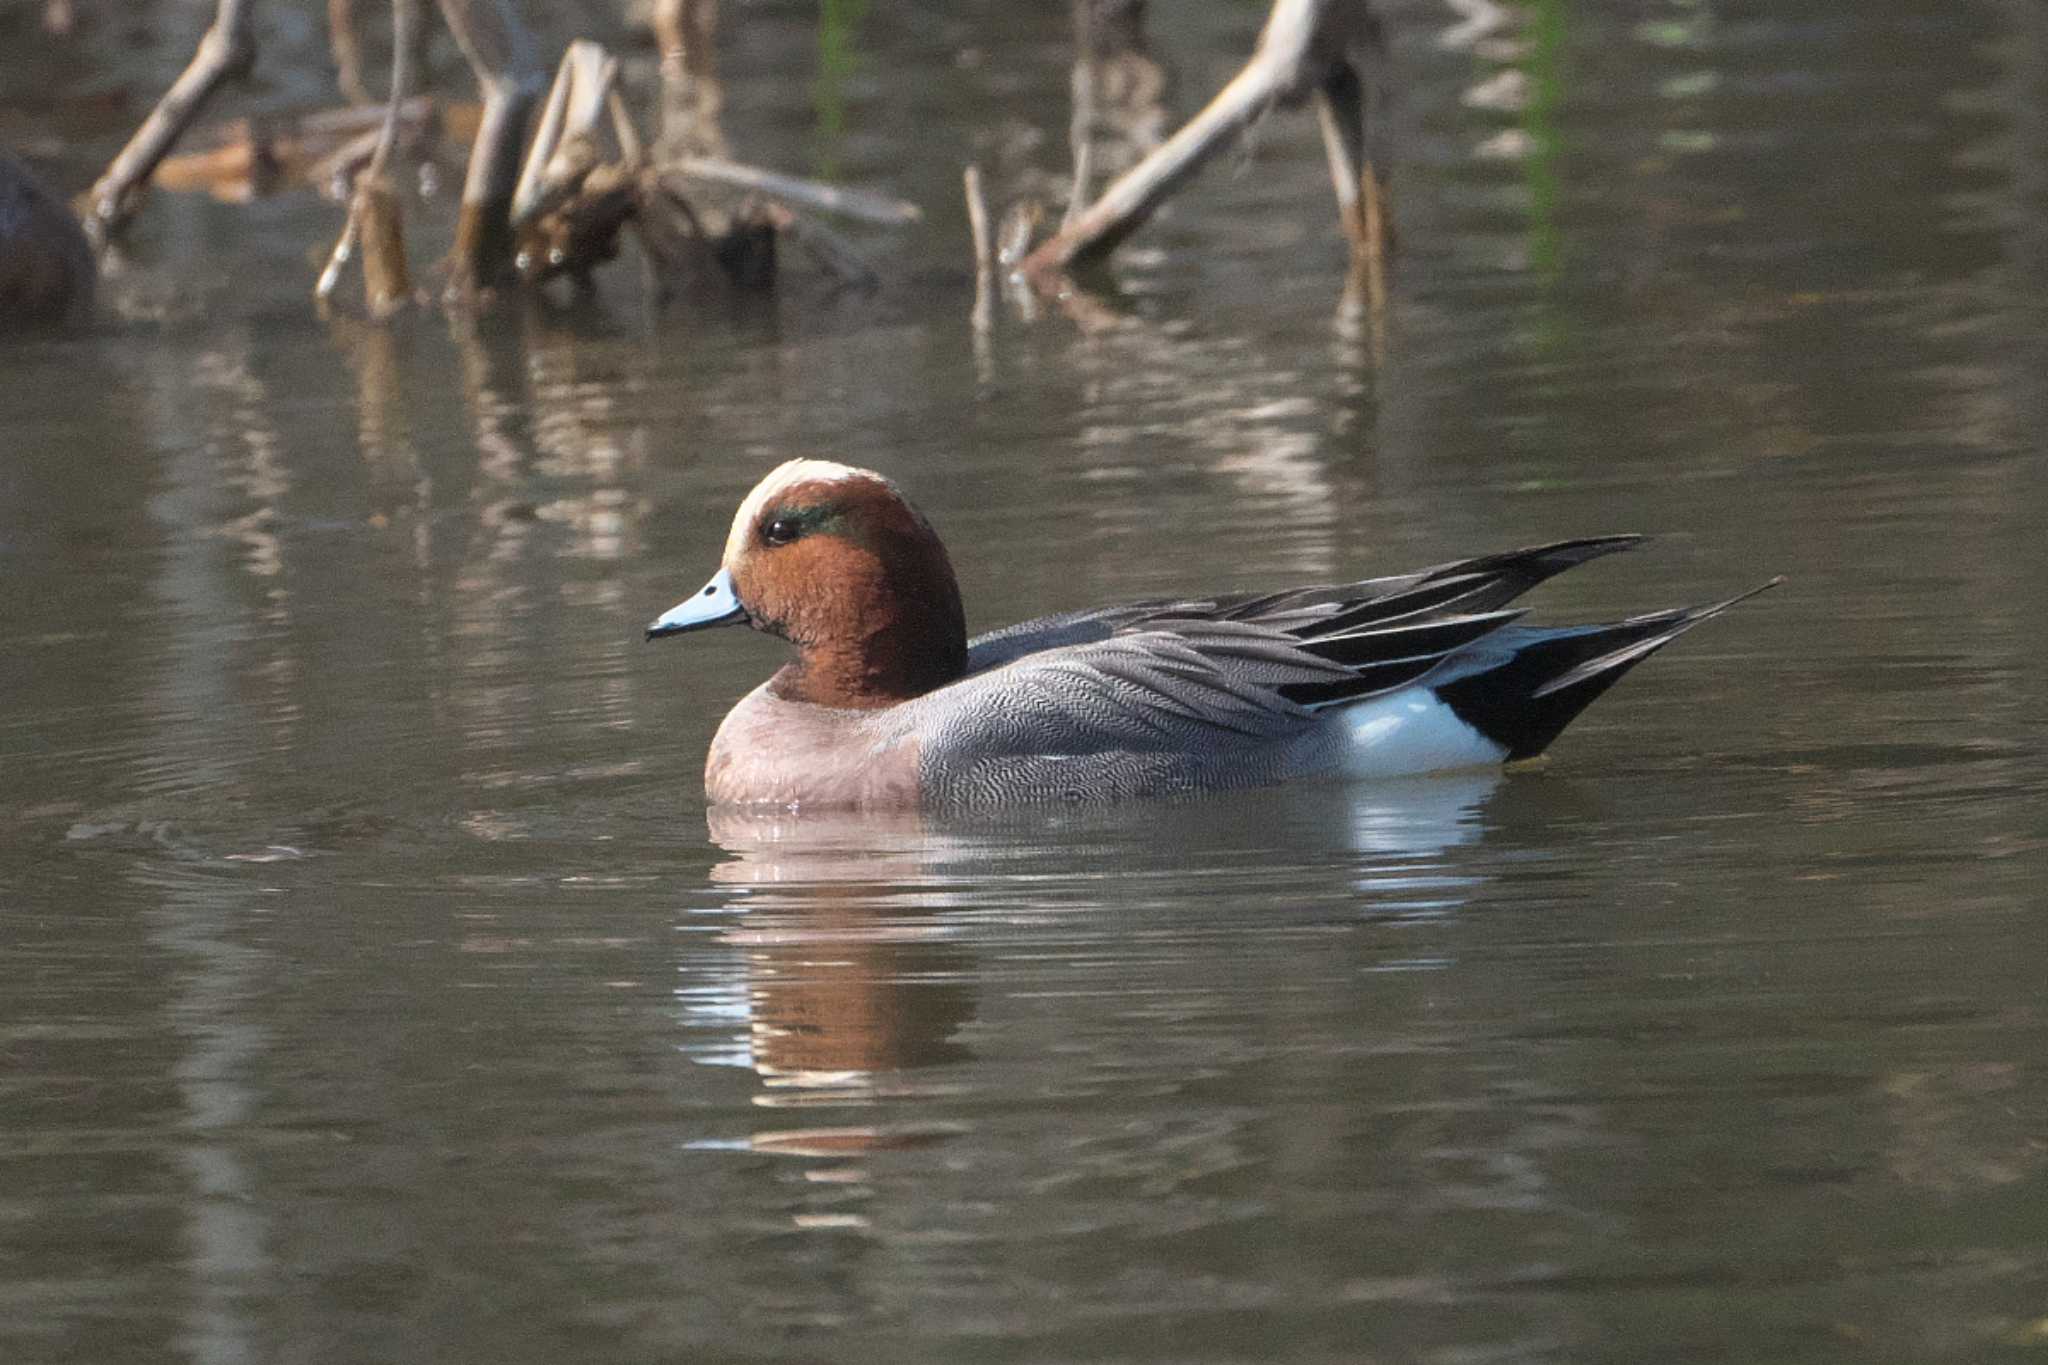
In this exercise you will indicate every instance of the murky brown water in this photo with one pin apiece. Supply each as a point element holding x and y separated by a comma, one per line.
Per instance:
<point>372,988</point>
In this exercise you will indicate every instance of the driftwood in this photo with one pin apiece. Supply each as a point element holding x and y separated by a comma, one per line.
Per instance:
<point>375,217</point>
<point>692,98</point>
<point>508,71</point>
<point>557,211</point>
<point>570,203</point>
<point>1118,95</point>
<point>576,195</point>
<point>227,51</point>
<point>1322,47</point>
<point>864,205</point>
<point>346,45</point>
<point>984,253</point>
<point>247,158</point>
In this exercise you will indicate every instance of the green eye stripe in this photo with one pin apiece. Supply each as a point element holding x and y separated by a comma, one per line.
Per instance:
<point>801,521</point>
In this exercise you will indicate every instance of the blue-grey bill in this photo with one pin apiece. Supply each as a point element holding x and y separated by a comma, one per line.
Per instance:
<point>716,604</point>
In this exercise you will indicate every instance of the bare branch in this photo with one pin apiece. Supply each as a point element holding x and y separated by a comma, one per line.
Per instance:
<point>344,251</point>
<point>977,221</point>
<point>840,199</point>
<point>508,71</point>
<point>984,252</point>
<point>692,101</point>
<point>347,46</point>
<point>562,153</point>
<point>1301,41</point>
<point>227,51</point>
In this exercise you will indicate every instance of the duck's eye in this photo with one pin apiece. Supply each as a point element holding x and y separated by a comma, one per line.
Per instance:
<point>782,530</point>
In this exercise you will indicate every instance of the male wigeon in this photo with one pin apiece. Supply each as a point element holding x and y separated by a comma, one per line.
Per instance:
<point>889,704</point>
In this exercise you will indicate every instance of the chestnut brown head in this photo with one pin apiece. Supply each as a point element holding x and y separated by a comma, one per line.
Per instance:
<point>836,561</point>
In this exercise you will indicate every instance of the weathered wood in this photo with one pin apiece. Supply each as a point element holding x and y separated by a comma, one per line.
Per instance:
<point>1302,43</point>
<point>509,73</point>
<point>983,314</point>
<point>226,52</point>
<point>347,46</point>
<point>692,99</point>
<point>845,200</point>
<point>1118,95</point>
<point>563,151</point>
<point>573,198</point>
<point>387,283</point>
<point>376,219</point>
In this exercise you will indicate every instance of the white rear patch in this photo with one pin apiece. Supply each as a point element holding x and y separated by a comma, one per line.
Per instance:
<point>1412,731</point>
<point>779,479</point>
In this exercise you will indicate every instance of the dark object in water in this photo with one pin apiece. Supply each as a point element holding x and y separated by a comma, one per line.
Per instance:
<point>46,265</point>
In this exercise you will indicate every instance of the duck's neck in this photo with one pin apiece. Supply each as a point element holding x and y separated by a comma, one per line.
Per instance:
<point>907,651</point>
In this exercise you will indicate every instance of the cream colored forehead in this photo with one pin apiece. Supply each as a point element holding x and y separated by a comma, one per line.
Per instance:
<point>780,479</point>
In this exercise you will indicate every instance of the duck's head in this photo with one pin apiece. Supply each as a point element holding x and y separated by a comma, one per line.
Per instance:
<point>836,561</point>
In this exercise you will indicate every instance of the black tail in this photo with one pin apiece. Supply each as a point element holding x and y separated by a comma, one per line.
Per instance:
<point>1552,674</point>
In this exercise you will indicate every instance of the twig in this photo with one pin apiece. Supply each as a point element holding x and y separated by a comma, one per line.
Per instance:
<point>228,50</point>
<point>853,203</point>
<point>686,34</point>
<point>347,46</point>
<point>977,222</point>
<point>1081,131</point>
<point>1349,111</point>
<point>375,219</point>
<point>338,259</point>
<point>984,251</point>
<point>1300,42</point>
<point>627,135</point>
<point>387,284</point>
<point>561,153</point>
<point>508,71</point>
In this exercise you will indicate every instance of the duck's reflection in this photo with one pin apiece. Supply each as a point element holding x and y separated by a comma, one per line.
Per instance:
<point>855,982</point>
<point>850,980</point>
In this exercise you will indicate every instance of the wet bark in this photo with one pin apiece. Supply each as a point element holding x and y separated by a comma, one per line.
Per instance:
<point>226,52</point>
<point>346,45</point>
<point>692,99</point>
<point>1302,47</point>
<point>1119,113</point>
<point>376,217</point>
<point>508,71</point>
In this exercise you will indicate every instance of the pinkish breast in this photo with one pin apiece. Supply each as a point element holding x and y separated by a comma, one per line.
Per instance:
<point>782,753</point>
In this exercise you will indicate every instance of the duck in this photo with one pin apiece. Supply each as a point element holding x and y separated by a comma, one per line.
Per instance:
<point>889,705</point>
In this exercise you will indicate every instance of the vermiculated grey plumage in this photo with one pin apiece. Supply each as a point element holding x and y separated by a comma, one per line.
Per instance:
<point>1184,694</point>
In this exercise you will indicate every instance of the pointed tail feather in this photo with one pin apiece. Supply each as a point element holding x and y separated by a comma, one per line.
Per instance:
<point>1551,675</point>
